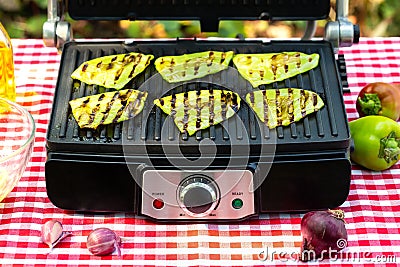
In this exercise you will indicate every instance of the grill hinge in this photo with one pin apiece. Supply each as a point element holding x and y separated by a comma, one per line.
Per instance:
<point>341,32</point>
<point>56,31</point>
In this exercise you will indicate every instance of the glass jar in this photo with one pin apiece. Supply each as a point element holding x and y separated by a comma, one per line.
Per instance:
<point>7,80</point>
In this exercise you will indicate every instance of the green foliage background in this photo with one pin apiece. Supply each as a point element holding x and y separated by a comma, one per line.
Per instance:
<point>25,18</point>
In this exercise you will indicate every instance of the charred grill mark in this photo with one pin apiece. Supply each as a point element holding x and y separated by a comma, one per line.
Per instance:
<point>315,101</point>
<point>210,59</point>
<point>141,95</point>
<point>303,103</point>
<point>173,101</point>
<point>196,68</point>
<point>85,102</point>
<point>171,65</point>
<point>118,75</point>
<point>223,57</point>
<point>124,99</point>
<point>84,67</point>
<point>198,109</point>
<point>248,60</point>
<point>132,71</point>
<point>106,112</point>
<point>133,107</point>
<point>262,74</point>
<point>278,108</point>
<point>286,67</point>
<point>161,102</point>
<point>274,70</point>
<point>198,123</point>
<point>183,73</point>
<point>252,101</point>
<point>185,119</point>
<point>148,61</point>
<point>119,113</point>
<point>91,115</point>
<point>99,64</point>
<point>131,58</point>
<point>265,105</point>
<point>223,105</point>
<point>211,107</point>
<point>125,58</point>
<point>290,106</point>
<point>101,97</point>
<point>114,59</point>
<point>310,59</point>
<point>235,102</point>
<point>110,66</point>
<point>298,60</point>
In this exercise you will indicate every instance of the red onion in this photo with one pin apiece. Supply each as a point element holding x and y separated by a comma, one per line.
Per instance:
<point>103,241</point>
<point>53,233</point>
<point>324,234</point>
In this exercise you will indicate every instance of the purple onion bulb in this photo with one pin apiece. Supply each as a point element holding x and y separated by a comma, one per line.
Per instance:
<point>103,241</point>
<point>324,234</point>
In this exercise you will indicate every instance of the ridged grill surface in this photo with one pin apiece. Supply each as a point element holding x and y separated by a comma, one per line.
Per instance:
<point>324,130</point>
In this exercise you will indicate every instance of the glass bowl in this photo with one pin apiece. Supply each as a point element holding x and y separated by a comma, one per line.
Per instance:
<point>17,132</point>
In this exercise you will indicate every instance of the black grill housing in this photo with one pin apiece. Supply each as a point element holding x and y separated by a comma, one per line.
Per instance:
<point>310,167</point>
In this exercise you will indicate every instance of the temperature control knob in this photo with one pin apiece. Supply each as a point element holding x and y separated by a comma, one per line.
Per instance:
<point>198,195</point>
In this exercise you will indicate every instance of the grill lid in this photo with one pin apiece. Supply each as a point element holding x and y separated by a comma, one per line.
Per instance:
<point>208,12</point>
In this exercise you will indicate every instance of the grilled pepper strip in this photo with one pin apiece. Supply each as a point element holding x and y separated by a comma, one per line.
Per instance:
<point>379,99</point>
<point>282,107</point>
<point>113,71</point>
<point>111,107</point>
<point>191,66</point>
<point>196,110</point>
<point>376,141</point>
<point>267,68</point>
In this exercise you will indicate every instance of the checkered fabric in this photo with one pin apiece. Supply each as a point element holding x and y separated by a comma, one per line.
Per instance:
<point>372,208</point>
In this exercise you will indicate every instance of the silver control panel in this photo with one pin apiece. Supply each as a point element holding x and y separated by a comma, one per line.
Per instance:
<point>205,195</point>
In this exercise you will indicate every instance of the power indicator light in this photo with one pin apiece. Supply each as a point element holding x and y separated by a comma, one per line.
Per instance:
<point>237,203</point>
<point>158,203</point>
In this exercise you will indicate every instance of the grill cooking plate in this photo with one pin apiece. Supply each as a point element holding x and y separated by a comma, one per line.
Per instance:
<point>326,129</point>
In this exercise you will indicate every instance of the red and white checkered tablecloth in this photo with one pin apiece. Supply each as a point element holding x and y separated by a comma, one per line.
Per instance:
<point>372,208</point>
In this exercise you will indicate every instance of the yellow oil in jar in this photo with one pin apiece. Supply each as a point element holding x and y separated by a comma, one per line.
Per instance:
<point>7,80</point>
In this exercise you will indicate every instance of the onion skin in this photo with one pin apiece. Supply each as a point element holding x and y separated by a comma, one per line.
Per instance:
<point>103,241</point>
<point>324,234</point>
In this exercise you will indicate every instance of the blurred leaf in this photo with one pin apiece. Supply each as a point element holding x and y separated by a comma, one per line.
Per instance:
<point>172,28</point>
<point>231,28</point>
<point>15,31</point>
<point>133,30</point>
<point>34,25</point>
<point>191,28</point>
<point>41,3</point>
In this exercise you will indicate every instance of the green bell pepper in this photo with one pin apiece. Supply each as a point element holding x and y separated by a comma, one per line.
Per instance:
<point>376,141</point>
